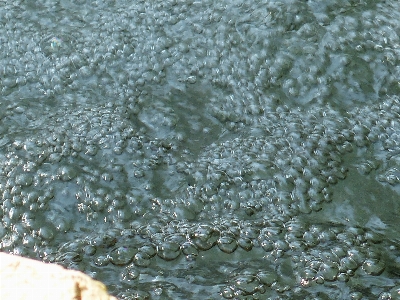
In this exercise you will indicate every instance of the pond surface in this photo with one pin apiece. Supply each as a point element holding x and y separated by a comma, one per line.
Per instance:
<point>188,149</point>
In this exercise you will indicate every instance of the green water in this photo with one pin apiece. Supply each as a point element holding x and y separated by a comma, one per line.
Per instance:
<point>204,150</point>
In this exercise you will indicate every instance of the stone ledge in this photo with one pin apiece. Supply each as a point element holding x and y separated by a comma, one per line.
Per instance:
<point>25,279</point>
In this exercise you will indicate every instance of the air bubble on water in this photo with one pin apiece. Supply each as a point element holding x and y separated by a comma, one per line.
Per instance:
<point>228,293</point>
<point>67,173</point>
<point>245,243</point>
<point>189,249</point>
<point>168,250</point>
<point>246,283</point>
<point>373,266</point>
<point>46,233</point>
<point>90,250</point>
<point>105,241</point>
<point>122,255</point>
<point>328,271</point>
<point>343,277</point>
<point>141,260</point>
<point>204,237</point>
<point>102,260</point>
<point>150,250</point>
<point>57,44</point>
<point>130,273</point>
<point>227,244</point>
<point>348,263</point>
<point>24,179</point>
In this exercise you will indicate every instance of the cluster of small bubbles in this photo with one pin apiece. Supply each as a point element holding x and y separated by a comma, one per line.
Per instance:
<point>75,56</point>
<point>248,180</point>
<point>159,132</point>
<point>391,176</point>
<point>340,262</point>
<point>245,284</point>
<point>204,237</point>
<point>247,280</point>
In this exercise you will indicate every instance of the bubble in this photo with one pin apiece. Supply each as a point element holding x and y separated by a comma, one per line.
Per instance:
<point>192,79</point>
<point>67,173</point>
<point>245,243</point>
<point>395,292</point>
<point>122,255</point>
<point>16,190</point>
<point>365,168</point>
<point>105,241</point>
<point>357,255</point>
<point>139,173</point>
<point>54,158</point>
<point>102,260</point>
<point>204,237</point>
<point>99,204</point>
<point>46,233</point>
<point>24,179</point>
<point>14,213</point>
<point>130,273</point>
<point>148,249</point>
<point>168,250</point>
<point>118,150</point>
<point>267,277</point>
<point>91,150</point>
<point>373,267</point>
<point>137,295</point>
<point>328,271</point>
<point>107,177</point>
<point>373,237</point>
<point>141,260</point>
<point>246,283</point>
<point>347,263</point>
<point>228,293</point>
<point>307,276</point>
<point>190,249</point>
<point>310,239</point>
<point>57,44</point>
<point>227,244</point>
<point>343,277</point>
<point>356,296</point>
<point>339,252</point>
<point>34,207</point>
<point>267,245</point>
<point>89,250</point>
<point>19,230</point>
<point>281,245</point>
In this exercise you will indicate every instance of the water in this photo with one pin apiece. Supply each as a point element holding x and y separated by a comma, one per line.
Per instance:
<point>203,150</point>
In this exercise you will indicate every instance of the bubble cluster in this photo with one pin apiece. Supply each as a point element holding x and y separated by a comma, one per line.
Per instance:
<point>192,149</point>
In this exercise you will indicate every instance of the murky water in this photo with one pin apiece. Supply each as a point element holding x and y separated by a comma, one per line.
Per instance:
<point>204,149</point>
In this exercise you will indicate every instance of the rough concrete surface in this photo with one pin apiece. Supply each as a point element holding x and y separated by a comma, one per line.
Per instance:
<point>23,279</point>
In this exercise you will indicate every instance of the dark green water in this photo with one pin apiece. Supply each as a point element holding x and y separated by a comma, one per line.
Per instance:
<point>203,149</point>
